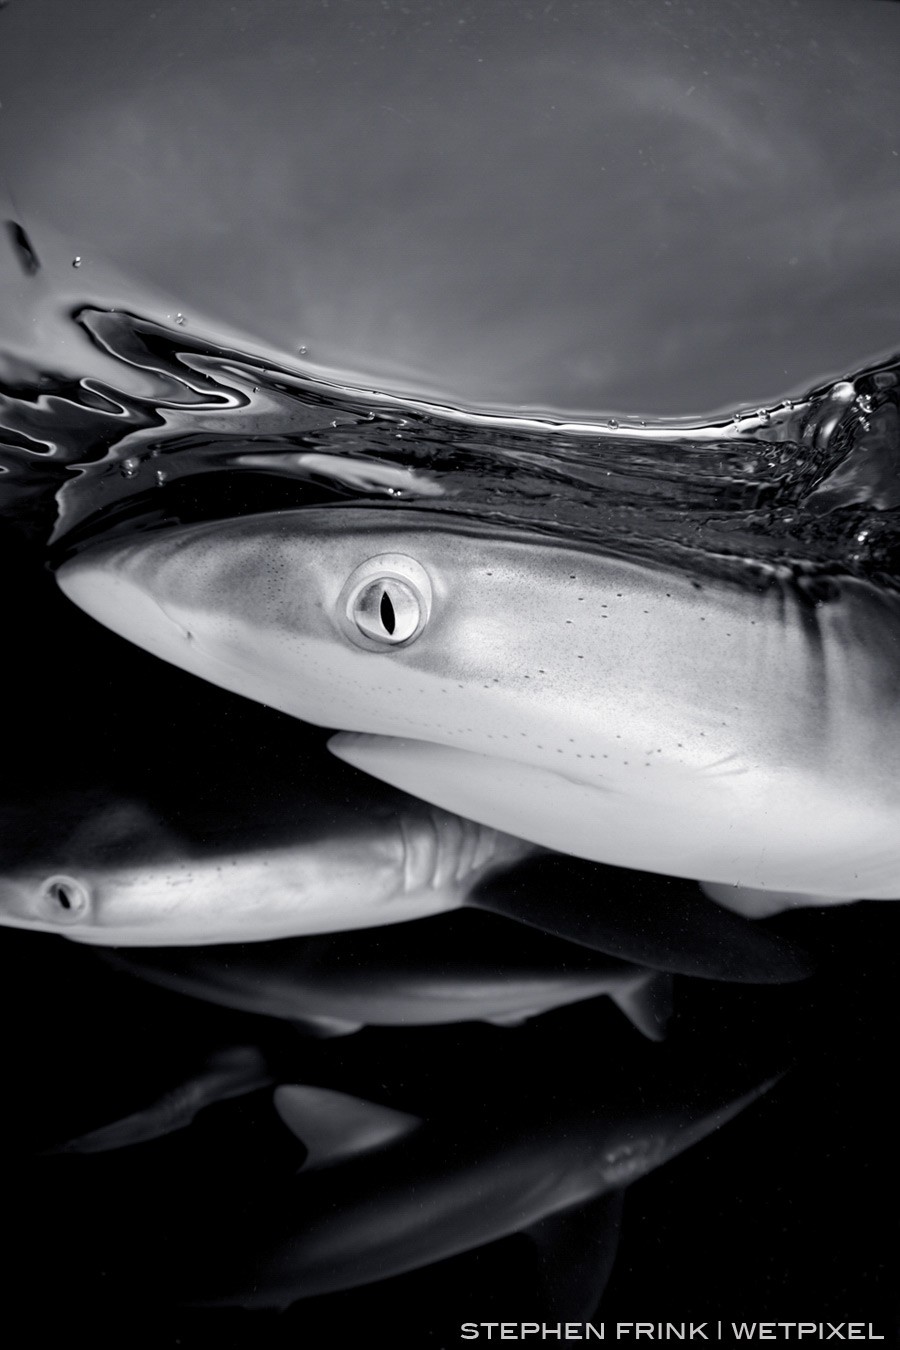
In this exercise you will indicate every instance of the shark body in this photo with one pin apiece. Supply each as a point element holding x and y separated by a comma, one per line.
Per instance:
<point>460,968</point>
<point>382,1192</point>
<point>118,871</point>
<point>287,842</point>
<point>742,734</point>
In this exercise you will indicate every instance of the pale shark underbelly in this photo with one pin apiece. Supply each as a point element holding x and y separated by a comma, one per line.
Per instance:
<point>789,836</point>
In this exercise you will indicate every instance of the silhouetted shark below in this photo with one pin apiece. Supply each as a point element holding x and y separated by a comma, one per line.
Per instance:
<point>382,1193</point>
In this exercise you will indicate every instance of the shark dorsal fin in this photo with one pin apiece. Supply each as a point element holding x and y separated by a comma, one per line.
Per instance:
<point>334,1126</point>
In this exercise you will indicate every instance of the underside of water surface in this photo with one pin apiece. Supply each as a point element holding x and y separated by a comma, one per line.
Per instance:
<point>622,273</point>
<point>193,431</point>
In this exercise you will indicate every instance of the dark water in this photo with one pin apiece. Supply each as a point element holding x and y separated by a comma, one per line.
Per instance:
<point>787,1212</point>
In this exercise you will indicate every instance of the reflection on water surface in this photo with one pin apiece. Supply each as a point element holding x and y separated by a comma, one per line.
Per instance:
<point>195,431</point>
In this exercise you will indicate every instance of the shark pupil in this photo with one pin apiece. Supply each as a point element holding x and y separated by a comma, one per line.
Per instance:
<point>388,617</point>
<point>387,611</point>
<point>58,892</point>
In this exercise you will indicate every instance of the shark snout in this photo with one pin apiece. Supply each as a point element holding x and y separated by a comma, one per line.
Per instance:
<point>125,599</point>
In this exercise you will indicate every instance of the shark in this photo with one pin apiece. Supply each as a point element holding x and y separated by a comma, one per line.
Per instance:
<point>228,1072</point>
<point>383,1191</point>
<point>459,967</point>
<point>289,843</point>
<point>104,866</point>
<point>276,853</point>
<point>738,730</point>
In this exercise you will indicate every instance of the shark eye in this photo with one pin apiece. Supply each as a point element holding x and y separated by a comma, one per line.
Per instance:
<point>385,602</point>
<point>62,899</point>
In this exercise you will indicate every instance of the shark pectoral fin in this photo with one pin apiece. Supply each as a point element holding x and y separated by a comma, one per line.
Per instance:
<point>334,1126</point>
<point>531,803</point>
<point>662,923</point>
<point>232,1072</point>
<point>576,1253</point>
<point>323,1027</point>
<point>647,1003</point>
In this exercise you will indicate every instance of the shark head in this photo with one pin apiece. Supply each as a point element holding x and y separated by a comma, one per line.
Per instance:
<point>98,867</point>
<point>84,863</point>
<point>604,708</point>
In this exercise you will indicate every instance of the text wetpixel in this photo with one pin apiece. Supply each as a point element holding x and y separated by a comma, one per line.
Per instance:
<point>671,1331</point>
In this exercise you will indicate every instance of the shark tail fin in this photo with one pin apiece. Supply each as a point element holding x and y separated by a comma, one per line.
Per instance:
<point>334,1126</point>
<point>232,1072</point>
<point>647,1003</point>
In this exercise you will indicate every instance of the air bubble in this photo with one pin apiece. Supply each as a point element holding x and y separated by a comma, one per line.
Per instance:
<point>76,262</point>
